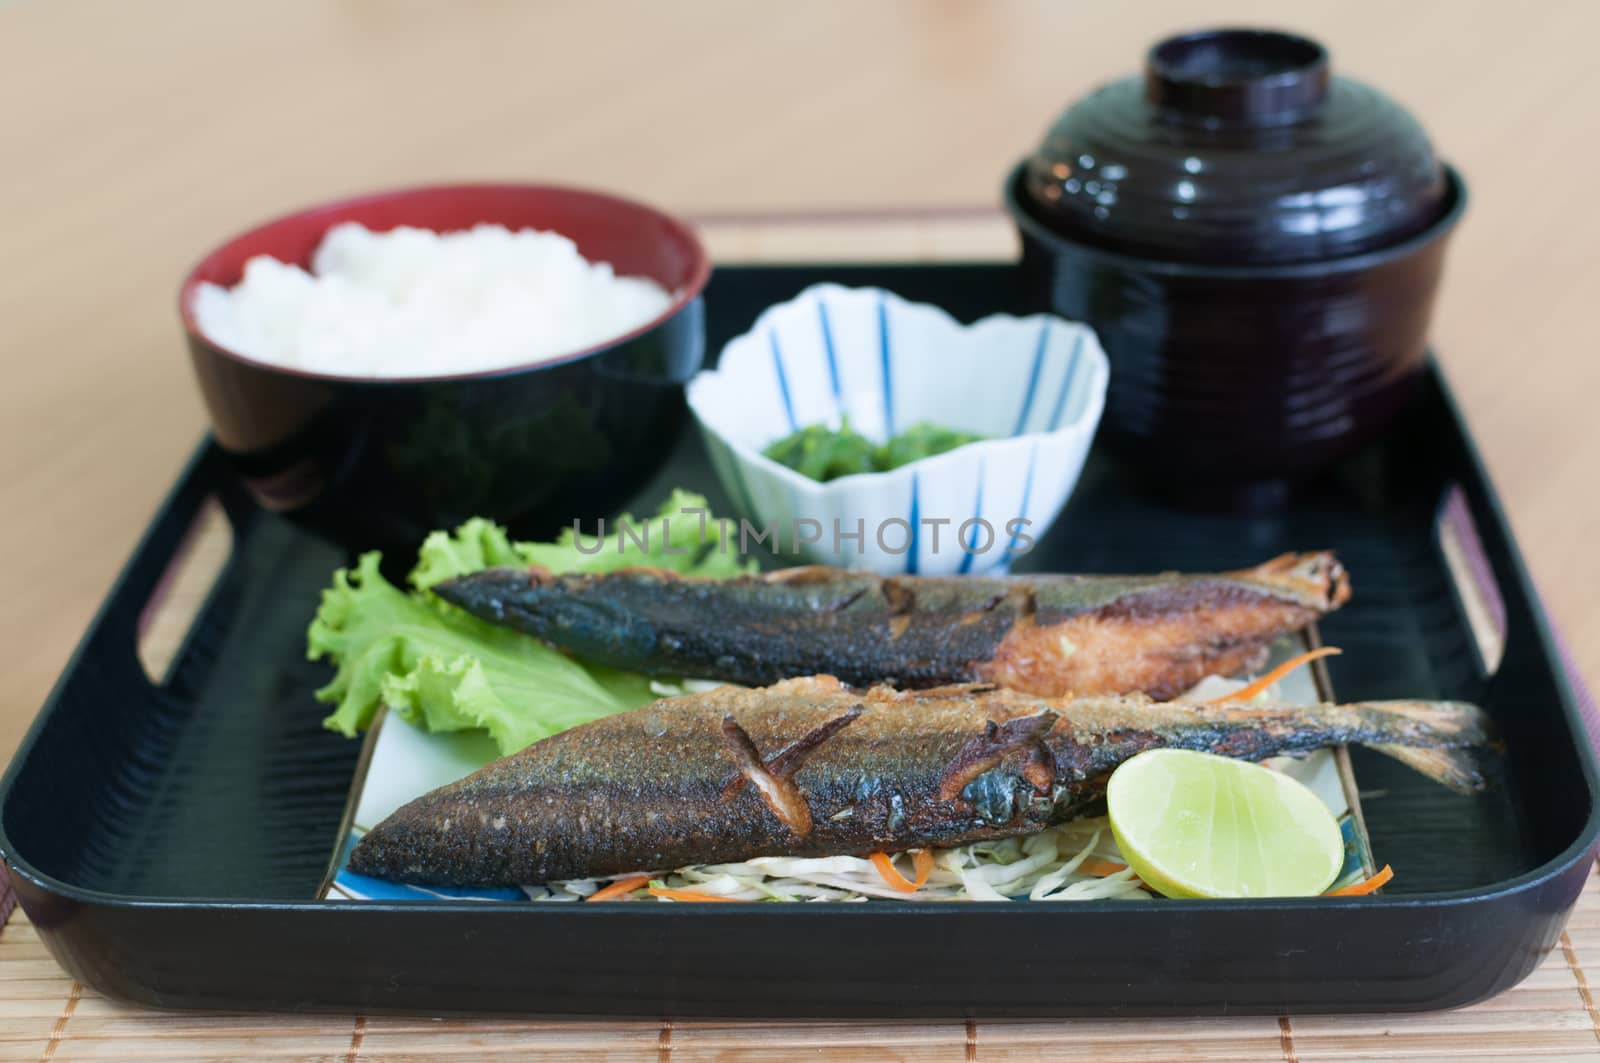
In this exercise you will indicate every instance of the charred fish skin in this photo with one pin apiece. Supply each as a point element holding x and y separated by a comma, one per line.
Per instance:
<point>813,767</point>
<point>1049,635</point>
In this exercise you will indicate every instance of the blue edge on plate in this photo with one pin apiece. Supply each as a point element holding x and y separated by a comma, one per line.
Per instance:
<point>376,889</point>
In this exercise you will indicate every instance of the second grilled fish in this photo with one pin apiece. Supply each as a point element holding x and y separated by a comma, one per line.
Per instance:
<point>811,767</point>
<point>1049,635</point>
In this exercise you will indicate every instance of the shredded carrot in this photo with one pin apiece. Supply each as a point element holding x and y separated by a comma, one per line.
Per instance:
<point>1361,889</point>
<point>922,858</point>
<point>1101,868</point>
<point>1256,687</point>
<point>685,895</point>
<point>620,888</point>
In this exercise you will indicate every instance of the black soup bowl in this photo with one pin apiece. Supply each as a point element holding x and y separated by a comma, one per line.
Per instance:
<point>1257,244</point>
<point>381,462</point>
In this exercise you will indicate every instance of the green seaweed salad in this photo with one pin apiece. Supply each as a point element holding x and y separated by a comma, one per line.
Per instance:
<point>823,453</point>
<point>444,670</point>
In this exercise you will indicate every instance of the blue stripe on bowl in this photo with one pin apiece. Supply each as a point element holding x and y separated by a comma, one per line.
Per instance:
<point>911,547</point>
<point>1027,489</point>
<point>1033,379</point>
<point>1067,382</point>
<point>833,358</point>
<point>783,381</point>
<point>977,514</point>
<point>883,354</point>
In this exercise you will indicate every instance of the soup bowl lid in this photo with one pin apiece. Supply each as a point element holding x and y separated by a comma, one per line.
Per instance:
<point>1236,147</point>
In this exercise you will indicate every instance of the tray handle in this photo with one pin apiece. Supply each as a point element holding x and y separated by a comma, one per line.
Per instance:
<point>114,638</point>
<point>1528,642</point>
<point>1472,572</point>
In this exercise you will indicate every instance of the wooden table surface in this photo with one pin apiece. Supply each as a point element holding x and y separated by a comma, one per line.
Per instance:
<point>135,135</point>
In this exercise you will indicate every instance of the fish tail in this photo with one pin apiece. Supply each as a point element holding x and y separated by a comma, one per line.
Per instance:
<point>1462,770</point>
<point>1318,579</point>
<point>1448,741</point>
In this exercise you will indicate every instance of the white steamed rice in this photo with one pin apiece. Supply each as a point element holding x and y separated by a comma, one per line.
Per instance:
<point>414,303</point>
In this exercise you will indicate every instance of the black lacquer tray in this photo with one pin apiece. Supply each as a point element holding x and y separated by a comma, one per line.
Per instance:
<point>167,838</point>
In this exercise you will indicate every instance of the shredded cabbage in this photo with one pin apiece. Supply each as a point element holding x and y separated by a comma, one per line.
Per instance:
<point>1039,867</point>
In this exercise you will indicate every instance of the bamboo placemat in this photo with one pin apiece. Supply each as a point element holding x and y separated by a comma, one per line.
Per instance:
<point>45,1015</point>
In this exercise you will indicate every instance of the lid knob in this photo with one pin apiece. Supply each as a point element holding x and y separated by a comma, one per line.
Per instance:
<point>1237,77</point>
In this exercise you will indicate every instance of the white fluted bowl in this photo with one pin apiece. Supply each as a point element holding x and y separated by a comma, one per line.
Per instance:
<point>1034,385</point>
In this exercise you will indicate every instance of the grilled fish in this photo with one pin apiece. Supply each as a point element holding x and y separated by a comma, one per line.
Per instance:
<point>814,767</point>
<point>1048,635</point>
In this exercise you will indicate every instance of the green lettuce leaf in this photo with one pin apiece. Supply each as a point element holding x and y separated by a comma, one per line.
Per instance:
<point>445,670</point>
<point>682,536</point>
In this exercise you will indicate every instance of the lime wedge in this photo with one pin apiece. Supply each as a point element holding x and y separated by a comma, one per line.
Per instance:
<point>1198,825</point>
